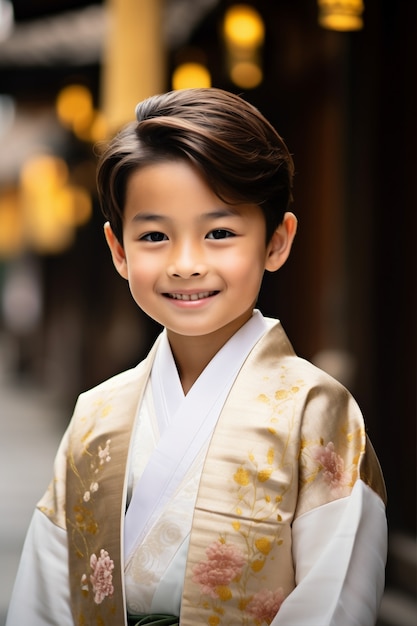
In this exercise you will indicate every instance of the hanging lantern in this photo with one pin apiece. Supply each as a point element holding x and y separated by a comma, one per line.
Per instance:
<point>243,26</point>
<point>342,15</point>
<point>244,33</point>
<point>74,105</point>
<point>191,74</point>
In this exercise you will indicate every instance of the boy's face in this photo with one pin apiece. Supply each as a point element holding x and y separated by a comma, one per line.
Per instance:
<point>194,263</point>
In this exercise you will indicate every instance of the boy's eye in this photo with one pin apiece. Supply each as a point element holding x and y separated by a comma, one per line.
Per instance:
<point>219,233</point>
<point>154,237</point>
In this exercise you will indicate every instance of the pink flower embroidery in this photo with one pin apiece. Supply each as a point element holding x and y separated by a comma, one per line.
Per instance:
<point>333,467</point>
<point>265,605</point>
<point>224,563</point>
<point>102,577</point>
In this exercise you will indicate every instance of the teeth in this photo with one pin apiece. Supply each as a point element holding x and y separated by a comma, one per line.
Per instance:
<point>191,296</point>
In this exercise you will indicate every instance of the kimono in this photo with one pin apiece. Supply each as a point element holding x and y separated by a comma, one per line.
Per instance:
<point>255,499</point>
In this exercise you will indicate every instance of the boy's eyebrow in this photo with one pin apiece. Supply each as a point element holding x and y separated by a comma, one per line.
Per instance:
<point>219,213</point>
<point>158,217</point>
<point>149,217</point>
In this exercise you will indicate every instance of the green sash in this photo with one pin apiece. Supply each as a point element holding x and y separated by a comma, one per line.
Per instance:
<point>156,619</point>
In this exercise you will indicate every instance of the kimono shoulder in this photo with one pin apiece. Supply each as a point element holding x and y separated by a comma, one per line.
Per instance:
<point>313,424</point>
<point>98,400</point>
<point>95,422</point>
<point>334,448</point>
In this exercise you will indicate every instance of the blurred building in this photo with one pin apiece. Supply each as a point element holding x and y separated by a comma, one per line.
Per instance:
<point>345,102</point>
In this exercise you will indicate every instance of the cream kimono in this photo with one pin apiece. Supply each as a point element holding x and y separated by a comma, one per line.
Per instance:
<point>257,500</point>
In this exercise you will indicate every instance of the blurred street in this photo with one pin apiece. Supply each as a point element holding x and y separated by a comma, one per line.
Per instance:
<point>31,424</point>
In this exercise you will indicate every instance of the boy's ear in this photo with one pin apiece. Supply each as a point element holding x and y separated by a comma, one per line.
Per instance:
<point>117,251</point>
<point>279,247</point>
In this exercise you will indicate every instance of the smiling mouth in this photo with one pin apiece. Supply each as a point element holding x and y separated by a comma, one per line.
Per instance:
<point>191,296</point>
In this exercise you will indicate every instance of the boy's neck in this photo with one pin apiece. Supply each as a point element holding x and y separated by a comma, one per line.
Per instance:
<point>191,360</point>
<point>193,354</point>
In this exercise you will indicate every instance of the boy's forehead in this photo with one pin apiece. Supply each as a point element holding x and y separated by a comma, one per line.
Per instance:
<point>174,189</point>
<point>169,163</point>
<point>177,177</point>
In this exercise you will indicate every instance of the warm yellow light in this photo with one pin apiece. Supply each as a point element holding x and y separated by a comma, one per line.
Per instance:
<point>52,208</point>
<point>43,172</point>
<point>45,231</point>
<point>73,205</point>
<point>11,224</point>
<point>244,35</point>
<point>92,129</point>
<point>341,15</point>
<point>74,105</point>
<point>82,205</point>
<point>99,129</point>
<point>189,75</point>
<point>246,74</point>
<point>243,26</point>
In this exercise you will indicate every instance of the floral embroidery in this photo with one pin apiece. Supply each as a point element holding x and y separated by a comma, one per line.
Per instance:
<point>224,565</point>
<point>225,562</point>
<point>93,489</point>
<point>290,468</point>
<point>103,456</point>
<point>232,564</point>
<point>102,578</point>
<point>263,545</point>
<point>332,466</point>
<point>238,568</point>
<point>241,476</point>
<point>104,453</point>
<point>265,605</point>
<point>84,525</point>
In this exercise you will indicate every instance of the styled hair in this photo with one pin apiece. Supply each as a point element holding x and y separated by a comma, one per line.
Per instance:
<point>238,152</point>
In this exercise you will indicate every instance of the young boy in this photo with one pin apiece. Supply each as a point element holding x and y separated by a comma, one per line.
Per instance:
<point>224,480</point>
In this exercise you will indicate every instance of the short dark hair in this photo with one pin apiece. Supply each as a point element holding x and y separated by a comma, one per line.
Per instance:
<point>238,152</point>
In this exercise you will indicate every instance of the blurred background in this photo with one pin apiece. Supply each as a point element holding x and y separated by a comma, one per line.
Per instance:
<point>338,80</point>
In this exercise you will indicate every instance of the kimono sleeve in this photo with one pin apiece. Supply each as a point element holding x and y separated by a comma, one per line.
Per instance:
<point>335,450</point>
<point>41,595</point>
<point>339,533</point>
<point>339,551</point>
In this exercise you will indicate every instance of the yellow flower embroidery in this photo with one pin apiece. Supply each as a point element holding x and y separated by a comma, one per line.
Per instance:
<point>263,544</point>
<point>242,477</point>
<point>281,394</point>
<point>257,565</point>
<point>263,398</point>
<point>224,593</point>
<point>263,475</point>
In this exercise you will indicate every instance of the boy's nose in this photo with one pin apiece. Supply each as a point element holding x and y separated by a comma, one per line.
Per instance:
<point>186,261</point>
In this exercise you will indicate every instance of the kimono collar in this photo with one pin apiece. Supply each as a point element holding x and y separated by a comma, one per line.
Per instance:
<point>186,424</point>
